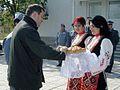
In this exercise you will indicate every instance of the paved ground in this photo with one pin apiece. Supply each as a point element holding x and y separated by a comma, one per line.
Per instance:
<point>53,79</point>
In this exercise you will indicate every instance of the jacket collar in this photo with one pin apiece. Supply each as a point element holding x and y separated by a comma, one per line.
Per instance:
<point>30,21</point>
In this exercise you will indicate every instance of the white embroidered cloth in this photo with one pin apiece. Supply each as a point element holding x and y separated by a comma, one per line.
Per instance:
<point>76,65</point>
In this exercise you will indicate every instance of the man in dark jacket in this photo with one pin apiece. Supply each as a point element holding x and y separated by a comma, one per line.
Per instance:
<point>114,37</point>
<point>27,51</point>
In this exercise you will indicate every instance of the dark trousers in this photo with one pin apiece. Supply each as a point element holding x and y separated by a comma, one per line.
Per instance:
<point>109,68</point>
<point>102,82</point>
<point>60,62</point>
<point>12,88</point>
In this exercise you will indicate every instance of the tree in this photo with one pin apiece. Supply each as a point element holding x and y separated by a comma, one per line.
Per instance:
<point>8,8</point>
<point>19,5</point>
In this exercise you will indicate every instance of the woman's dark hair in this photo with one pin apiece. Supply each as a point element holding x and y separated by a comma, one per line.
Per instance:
<point>80,20</point>
<point>100,22</point>
<point>34,8</point>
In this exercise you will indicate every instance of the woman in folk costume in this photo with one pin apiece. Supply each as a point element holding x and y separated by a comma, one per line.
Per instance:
<point>78,40</point>
<point>79,28</point>
<point>95,60</point>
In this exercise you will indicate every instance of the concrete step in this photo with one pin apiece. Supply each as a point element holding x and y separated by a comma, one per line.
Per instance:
<point>118,49</point>
<point>117,59</point>
<point>118,46</point>
<point>119,42</point>
<point>117,56</point>
<point>117,52</point>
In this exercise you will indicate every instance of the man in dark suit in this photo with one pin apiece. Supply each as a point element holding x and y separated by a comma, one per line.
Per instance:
<point>114,37</point>
<point>27,52</point>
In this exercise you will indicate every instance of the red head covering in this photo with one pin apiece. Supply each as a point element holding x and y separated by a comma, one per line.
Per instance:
<point>79,19</point>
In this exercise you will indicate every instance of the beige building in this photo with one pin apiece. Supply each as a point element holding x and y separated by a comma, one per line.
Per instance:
<point>64,11</point>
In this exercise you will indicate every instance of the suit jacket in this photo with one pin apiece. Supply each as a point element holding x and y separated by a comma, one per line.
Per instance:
<point>114,37</point>
<point>27,52</point>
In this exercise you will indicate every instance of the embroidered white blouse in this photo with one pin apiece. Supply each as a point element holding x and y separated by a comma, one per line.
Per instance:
<point>76,65</point>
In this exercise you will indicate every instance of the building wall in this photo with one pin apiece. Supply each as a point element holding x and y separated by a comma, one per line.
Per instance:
<point>64,11</point>
<point>84,8</point>
<point>80,8</point>
<point>60,11</point>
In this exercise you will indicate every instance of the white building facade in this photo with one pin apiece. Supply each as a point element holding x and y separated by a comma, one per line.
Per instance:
<point>64,11</point>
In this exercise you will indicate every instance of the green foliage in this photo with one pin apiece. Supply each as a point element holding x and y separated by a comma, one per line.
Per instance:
<point>10,7</point>
<point>3,35</point>
<point>7,22</point>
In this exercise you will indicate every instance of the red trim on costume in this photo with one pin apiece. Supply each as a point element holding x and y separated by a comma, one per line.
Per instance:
<point>88,82</point>
<point>94,41</point>
<point>81,32</point>
<point>98,35</point>
<point>78,39</point>
<point>76,19</point>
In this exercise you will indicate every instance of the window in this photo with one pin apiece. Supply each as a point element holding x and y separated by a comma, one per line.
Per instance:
<point>114,10</point>
<point>95,8</point>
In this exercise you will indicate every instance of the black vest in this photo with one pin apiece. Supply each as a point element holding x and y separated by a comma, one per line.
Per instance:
<point>102,80</point>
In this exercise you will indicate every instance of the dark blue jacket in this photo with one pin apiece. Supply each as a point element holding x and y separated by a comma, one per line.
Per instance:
<point>6,47</point>
<point>114,37</point>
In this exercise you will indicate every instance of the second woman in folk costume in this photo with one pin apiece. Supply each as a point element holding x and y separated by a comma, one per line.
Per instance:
<point>95,60</point>
<point>79,40</point>
<point>79,28</point>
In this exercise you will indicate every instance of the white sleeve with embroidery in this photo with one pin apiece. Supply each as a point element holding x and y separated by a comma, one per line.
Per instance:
<point>99,64</point>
